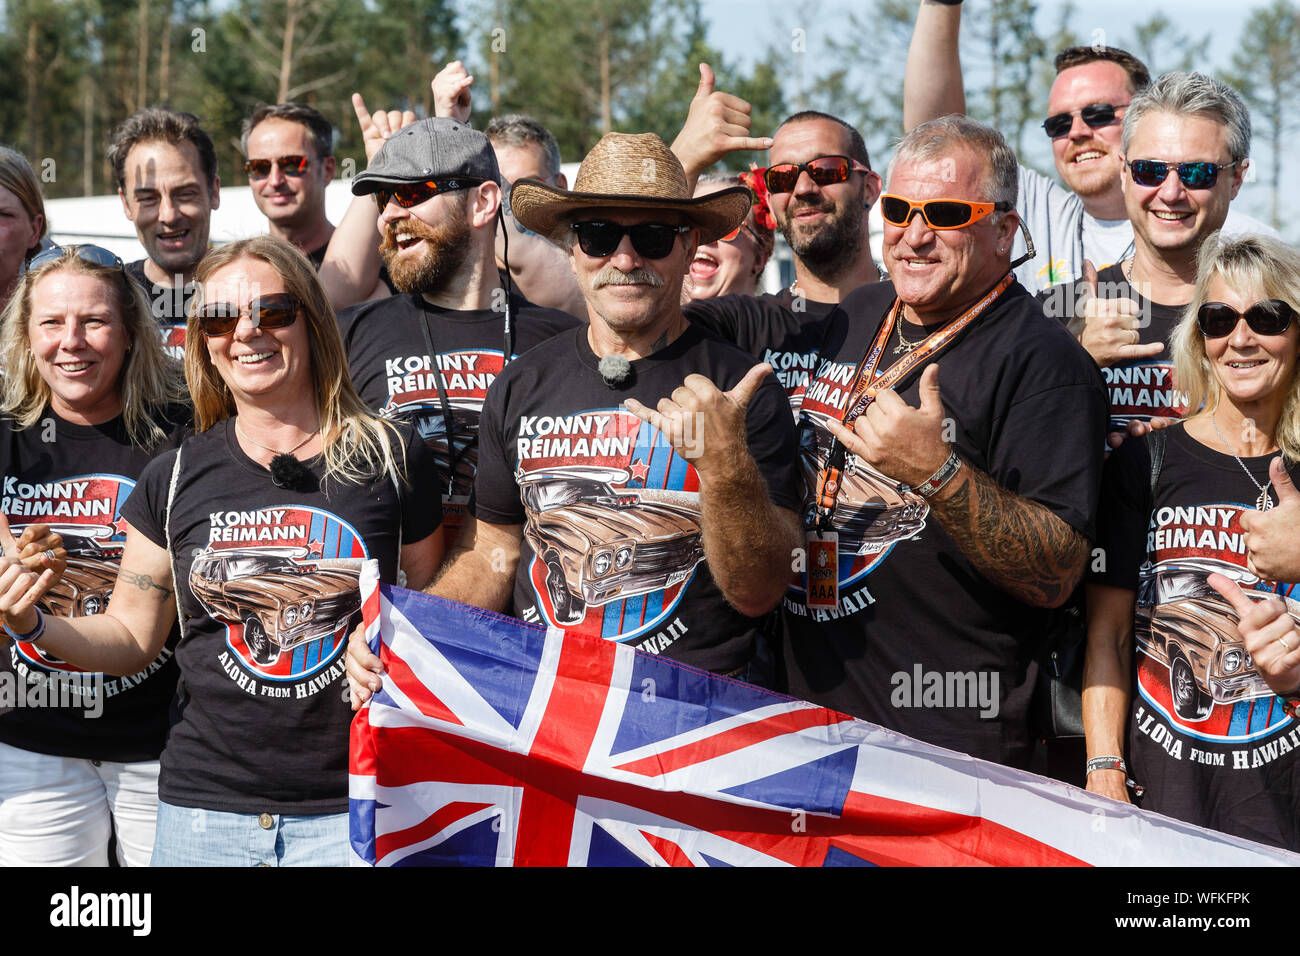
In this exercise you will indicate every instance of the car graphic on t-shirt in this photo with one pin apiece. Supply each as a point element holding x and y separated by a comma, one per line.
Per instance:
<point>93,560</point>
<point>600,544</point>
<point>427,419</point>
<point>1187,625</point>
<point>280,600</point>
<point>870,512</point>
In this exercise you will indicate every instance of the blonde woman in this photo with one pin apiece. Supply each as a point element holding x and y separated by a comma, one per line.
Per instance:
<point>1182,716</point>
<point>89,401</point>
<point>260,522</point>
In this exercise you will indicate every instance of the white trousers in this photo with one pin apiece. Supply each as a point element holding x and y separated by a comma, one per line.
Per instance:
<point>60,811</point>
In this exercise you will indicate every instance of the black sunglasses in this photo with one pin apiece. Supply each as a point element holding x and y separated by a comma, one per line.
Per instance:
<point>95,255</point>
<point>1096,115</point>
<point>1153,172</point>
<point>412,194</point>
<point>651,240</point>
<point>823,170</point>
<point>274,311</point>
<point>289,165</point>
<point>1267,317</point>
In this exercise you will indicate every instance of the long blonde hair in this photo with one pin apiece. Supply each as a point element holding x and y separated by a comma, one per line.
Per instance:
<point>356,444</point>
<point>149,380</point>
<point>1244,263</point>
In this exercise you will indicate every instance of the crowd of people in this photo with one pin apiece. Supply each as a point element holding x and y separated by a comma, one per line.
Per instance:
<point>1057,421</point>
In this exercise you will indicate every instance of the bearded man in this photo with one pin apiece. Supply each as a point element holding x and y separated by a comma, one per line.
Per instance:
<point>429,354</point>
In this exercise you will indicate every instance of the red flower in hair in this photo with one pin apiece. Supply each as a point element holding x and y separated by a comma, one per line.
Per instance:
<point>758,186</point>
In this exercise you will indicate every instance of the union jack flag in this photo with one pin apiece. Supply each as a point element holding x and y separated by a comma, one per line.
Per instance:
<point>495,742</point>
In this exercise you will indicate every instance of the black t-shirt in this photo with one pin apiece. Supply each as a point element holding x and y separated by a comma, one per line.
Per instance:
<point>1138,390</point>
<point>1027,407</point>
<point>268,582</point>
<point>388,359</point>
<point>612,545</point>
<point>1207,738</point>
<point>76,479</point>
<point>169,305</point>
<point>782,330</point>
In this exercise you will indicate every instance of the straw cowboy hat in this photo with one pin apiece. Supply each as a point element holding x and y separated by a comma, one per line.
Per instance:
<point>626,171</point>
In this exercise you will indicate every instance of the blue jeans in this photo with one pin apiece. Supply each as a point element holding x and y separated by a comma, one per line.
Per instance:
<point>191,837</point>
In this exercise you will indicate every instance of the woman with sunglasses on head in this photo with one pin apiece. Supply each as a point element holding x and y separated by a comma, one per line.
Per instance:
<point>734,263</point>
<point>262,521</point>
<point>22,218</point>
<point>1208,741</point>
<point>89,400</point>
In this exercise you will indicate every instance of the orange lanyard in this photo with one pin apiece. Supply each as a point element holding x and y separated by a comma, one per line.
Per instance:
<point>866,386</point>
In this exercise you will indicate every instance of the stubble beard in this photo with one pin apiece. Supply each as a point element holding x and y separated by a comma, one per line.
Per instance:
<point>834,247</point>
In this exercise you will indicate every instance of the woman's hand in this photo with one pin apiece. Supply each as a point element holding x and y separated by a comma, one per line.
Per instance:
<point>20,584</point>
<point>1269,633</point>
<point>39,549</point>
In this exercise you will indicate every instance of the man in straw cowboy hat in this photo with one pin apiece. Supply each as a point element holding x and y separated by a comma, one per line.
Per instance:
<point>636,477</point>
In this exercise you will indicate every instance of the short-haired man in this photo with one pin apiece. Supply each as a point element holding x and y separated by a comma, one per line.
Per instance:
<point>820,185</point>
<point>636,474</point>
<point>289,158</point>
<point>956,507</point>
<point>1087,102</point>
<point>1185,149</point>
<point>429,354</point>
<point>166,171</point>
<point>525,149</point>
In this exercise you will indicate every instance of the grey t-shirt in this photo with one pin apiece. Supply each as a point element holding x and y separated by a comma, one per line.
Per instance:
<point>1064,235</point>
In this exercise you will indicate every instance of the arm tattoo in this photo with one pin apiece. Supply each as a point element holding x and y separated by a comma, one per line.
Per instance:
<point>142,581</point>
<point>1017,544</point>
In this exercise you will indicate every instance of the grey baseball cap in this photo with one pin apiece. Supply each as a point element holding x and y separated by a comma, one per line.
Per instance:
<point>430,148</point>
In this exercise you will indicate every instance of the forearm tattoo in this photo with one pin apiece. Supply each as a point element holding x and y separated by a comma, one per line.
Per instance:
<point>143,581</point>
<point>1016,543</point>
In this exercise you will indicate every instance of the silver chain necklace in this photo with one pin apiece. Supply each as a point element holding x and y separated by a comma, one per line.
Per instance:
<point>1263,502</point>
<point>276,451</point>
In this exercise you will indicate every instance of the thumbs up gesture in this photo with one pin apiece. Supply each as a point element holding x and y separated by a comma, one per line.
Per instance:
<point>1273,536</point>
<point>717,124</point>
<point>900,441</point>
<point>1269,632</point>
<point>1111,327</point>
<point>31,566</point>
<point>705,424</point>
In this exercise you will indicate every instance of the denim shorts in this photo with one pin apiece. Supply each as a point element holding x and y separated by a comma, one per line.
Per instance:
<point>192,837</point>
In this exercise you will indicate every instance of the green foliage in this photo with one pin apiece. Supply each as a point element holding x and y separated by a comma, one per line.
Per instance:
<point>1266,71</point>
<point>1163,47</point>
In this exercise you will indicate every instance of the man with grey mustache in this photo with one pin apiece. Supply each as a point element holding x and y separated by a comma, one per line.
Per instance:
<point>636,477</point>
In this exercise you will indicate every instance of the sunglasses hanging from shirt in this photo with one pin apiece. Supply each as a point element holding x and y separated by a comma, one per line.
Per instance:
<point>1267,317</point>
<point>822,583</point>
